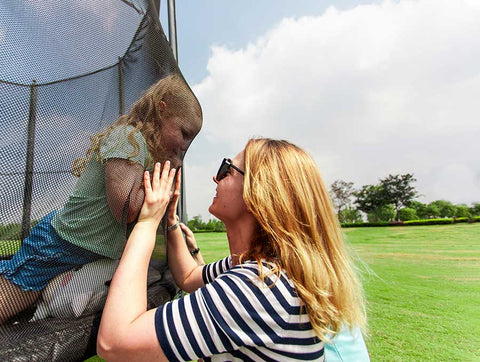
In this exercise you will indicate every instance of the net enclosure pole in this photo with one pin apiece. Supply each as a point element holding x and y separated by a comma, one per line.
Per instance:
<point>28,185</point>
<point>172,37</point>
<point>121,88</point>
<point>172,28</point>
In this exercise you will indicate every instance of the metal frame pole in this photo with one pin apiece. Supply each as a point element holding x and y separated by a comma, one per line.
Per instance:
<point>121,88</point>
<point>28,185</point>
<point>172,36</point>
<point>172,28</point>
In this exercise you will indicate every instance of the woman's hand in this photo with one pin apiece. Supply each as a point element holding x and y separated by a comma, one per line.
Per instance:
<point>157,194</point>
<point>192,244</point>
<point>172,209</point>
<point>190,238</point>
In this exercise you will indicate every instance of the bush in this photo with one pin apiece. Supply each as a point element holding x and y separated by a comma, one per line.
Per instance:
<point>474,219</point>
<point>350,215</point>
<point>382,214</point>
<point>365,224</point>
<point>407,213</point>
<point>462,211</point>
<point>429,222</point>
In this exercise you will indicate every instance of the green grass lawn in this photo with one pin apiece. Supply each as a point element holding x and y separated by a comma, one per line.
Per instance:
<point>422,285</point>
<point>424,295</point>
<point>9,247</point>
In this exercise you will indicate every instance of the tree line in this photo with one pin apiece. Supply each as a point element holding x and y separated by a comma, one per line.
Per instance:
<point>392,199</point>
<point>197,224</point>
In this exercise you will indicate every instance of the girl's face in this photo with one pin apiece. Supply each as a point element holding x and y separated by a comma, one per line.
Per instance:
<point>228,204</point>
<point>177,134</point>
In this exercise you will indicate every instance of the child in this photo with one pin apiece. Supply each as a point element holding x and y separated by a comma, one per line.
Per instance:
<point>108,194</point>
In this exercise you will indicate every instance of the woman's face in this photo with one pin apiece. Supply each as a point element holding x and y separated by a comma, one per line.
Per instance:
<point>228,204</point>
<point>177,134</point>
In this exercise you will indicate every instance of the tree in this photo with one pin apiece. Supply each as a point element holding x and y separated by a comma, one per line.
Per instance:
<point>475,209</point>
<point>369,198</point>
<point>341,193</point>
<point>398,190</point>
<point>432,211</point>
<point>382,213</point>
<point>407,213</point>
<point>462,210</point>
<point>214,225</point>
<point>420,208</point>
<point>196,223</point>
<point>350,215</point>
<point>445,208</point>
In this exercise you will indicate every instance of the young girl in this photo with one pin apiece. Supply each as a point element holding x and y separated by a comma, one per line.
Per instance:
<point>108,194</point>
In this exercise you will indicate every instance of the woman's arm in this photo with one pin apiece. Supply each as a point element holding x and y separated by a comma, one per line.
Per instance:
<point>186,270</point>
<point>127,330</point>
<point>192,244</point>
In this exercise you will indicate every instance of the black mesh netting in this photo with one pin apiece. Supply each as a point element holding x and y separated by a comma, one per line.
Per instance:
<point>86,87</point>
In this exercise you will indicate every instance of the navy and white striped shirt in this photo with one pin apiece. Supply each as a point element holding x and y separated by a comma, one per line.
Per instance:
<point>236,317</point>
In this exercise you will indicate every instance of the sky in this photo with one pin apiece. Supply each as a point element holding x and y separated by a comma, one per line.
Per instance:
<point>367,88</point>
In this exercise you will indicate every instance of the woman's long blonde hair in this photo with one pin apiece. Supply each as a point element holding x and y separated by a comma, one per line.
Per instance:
<point>146,116</point>
<point>300,233</point>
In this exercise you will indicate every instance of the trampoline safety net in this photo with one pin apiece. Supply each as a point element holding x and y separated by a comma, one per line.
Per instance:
<point>90,97</point>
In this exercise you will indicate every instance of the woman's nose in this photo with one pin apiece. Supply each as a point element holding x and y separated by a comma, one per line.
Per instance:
<point>215,179</point>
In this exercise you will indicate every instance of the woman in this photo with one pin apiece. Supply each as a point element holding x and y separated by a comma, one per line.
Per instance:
<point>286,288</point>
<point>108,194</point>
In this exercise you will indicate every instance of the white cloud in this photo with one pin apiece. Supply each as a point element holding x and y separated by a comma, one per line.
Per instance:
<point>455,183</point>
<point>373,90</point>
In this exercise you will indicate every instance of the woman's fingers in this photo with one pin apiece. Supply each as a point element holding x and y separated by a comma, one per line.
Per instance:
<point>185,229</point>
<point>190,237</point>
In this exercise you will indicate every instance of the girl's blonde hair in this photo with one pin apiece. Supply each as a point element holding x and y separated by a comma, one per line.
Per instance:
<point>146,116</point>
<point>300,233</point>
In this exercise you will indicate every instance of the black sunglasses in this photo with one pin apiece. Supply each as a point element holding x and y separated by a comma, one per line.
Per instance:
<point>226,164</point>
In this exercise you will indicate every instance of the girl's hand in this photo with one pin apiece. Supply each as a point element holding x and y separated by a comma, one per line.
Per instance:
<point>172,209</point>
<point>157,194</point>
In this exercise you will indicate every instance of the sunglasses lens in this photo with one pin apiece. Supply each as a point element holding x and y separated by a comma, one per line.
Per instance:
<point>222,171</point>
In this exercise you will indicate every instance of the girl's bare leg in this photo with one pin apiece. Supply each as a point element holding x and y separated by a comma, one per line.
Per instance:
<point>13,299</point>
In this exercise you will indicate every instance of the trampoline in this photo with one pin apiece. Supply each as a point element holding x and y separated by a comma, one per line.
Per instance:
<point>68,70</point>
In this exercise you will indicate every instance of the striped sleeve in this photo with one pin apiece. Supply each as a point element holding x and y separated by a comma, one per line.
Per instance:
<point>237,317</point>
<point>212,270</point>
